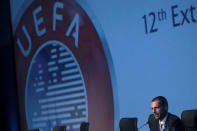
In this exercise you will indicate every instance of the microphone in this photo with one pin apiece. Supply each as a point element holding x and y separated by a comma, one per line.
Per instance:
<point>142,126</point>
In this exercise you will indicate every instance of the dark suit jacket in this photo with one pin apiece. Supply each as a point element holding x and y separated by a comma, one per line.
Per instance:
<point>172,121</point>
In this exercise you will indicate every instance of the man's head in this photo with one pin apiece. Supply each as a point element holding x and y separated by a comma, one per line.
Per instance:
<point>159,107</point>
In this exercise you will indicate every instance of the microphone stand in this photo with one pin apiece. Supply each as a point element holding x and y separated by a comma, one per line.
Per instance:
<point>142,126</point>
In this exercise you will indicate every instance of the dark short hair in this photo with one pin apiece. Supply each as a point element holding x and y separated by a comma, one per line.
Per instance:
<point>162,100</point>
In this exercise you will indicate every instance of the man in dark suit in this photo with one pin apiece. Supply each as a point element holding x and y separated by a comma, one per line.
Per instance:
<point>161,119</point>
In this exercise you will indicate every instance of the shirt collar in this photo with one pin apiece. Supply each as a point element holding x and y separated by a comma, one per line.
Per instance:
<point>164,119</point>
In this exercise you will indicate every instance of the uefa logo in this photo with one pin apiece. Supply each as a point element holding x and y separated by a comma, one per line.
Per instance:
<point>55,88</point>
<point>63,67</point>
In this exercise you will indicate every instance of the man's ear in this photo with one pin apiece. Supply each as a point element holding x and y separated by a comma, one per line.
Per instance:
<point>166,108</point>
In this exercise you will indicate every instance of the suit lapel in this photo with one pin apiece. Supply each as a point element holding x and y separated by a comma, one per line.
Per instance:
<point>157,125</point>
<point>168,120</point>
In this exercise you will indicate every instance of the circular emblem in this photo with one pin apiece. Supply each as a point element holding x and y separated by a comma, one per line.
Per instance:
<point>55,88</point>
<point>63,73</point>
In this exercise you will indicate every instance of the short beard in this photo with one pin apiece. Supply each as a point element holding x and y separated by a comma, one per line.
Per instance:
<point>162,115</point>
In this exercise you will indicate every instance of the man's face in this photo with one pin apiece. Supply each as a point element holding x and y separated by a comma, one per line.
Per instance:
<point>158,110</point>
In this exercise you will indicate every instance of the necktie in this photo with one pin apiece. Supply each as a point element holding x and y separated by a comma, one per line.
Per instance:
<point>162,127</point>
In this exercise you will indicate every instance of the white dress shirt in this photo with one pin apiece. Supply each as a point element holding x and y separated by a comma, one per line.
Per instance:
<point>162,125</point>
